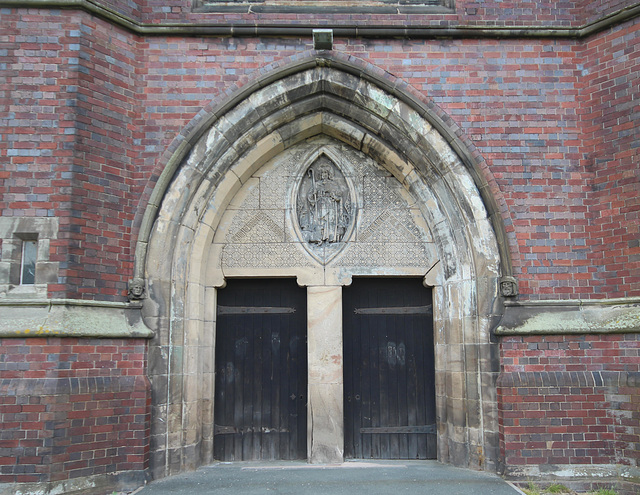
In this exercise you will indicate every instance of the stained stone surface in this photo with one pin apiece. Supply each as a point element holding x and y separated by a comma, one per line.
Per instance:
<point>70,318</point>
<point>325,361</point>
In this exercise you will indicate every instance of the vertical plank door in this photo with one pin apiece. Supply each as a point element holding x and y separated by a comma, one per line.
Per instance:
<point>261,371</point>
<point>389,377</point>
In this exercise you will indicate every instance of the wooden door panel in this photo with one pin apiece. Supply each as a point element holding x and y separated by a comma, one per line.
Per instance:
<point>389,370</point>
<point>261,371</point>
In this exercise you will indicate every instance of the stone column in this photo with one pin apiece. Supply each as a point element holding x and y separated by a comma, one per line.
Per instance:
<point>325,410</point>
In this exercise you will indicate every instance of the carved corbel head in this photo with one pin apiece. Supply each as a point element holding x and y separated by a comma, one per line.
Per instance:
<point>508,287</point>
<point>136,289</point>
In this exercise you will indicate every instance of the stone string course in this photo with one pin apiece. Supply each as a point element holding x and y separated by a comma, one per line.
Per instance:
<point>548,13</point>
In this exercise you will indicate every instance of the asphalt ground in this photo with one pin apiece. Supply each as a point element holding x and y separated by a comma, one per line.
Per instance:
<point>350,478</point>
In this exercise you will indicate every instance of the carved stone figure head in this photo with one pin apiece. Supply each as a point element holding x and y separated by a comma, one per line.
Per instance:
<point>136,289</point>
<point>508,287</point>
<point>326,173</point>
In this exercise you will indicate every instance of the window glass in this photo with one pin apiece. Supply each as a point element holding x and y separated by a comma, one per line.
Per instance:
<point>28,268</point>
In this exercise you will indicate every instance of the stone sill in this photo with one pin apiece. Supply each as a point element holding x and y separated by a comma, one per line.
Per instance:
<point>20,318</point>
<point>621,315</point>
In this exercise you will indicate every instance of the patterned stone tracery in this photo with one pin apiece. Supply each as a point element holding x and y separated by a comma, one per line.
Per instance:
<point>326,224</point>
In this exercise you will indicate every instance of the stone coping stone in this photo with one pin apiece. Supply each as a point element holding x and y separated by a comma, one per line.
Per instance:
<point>620,315</point>
<point>71,318</point>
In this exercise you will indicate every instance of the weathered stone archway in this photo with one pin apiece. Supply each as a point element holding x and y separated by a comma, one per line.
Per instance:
<point>336,103</point>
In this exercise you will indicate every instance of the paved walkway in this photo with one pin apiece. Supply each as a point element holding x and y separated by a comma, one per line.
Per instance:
<point>350,478</point>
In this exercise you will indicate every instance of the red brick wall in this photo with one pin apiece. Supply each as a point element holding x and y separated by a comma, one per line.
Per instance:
<point>66,102</point>
<point>553,120</point>
<point>570,400</point>
<point>100,201</point>
<point>612,150</point>
<point>71,408</point>
<point>519,101</point>
<point>593,10</point>
<point>37,122</point>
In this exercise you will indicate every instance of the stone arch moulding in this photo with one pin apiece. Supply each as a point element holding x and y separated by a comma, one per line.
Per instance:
<point>349,102</point>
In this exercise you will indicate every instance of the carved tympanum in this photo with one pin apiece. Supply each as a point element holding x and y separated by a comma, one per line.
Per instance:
<point>324,206</point>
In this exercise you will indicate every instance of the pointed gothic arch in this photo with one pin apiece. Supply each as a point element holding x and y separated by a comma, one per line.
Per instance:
<point>347,102</point>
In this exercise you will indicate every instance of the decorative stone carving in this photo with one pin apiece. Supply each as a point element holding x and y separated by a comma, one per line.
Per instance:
<point>388,227</point>
<point>387,255</point>
<point>136,289</point>
<point>263,255</point>
<point>508,287</point>
<point>380,192</point>
<point>324,208</point>
<point>322,203</point>
<point>259,226</point>
<point>273,189</point>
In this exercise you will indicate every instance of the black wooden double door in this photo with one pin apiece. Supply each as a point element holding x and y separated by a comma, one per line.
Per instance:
<point>389,375</point>
<point>261,371</point>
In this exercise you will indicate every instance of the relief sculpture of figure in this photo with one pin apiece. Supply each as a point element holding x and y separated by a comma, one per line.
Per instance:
<point>325,215</point>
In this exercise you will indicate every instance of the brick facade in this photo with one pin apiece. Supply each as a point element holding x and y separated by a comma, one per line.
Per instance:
<point>84,140</point>
<point>73,408</point>
<point>89,114</point>
<point>569,400</point>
